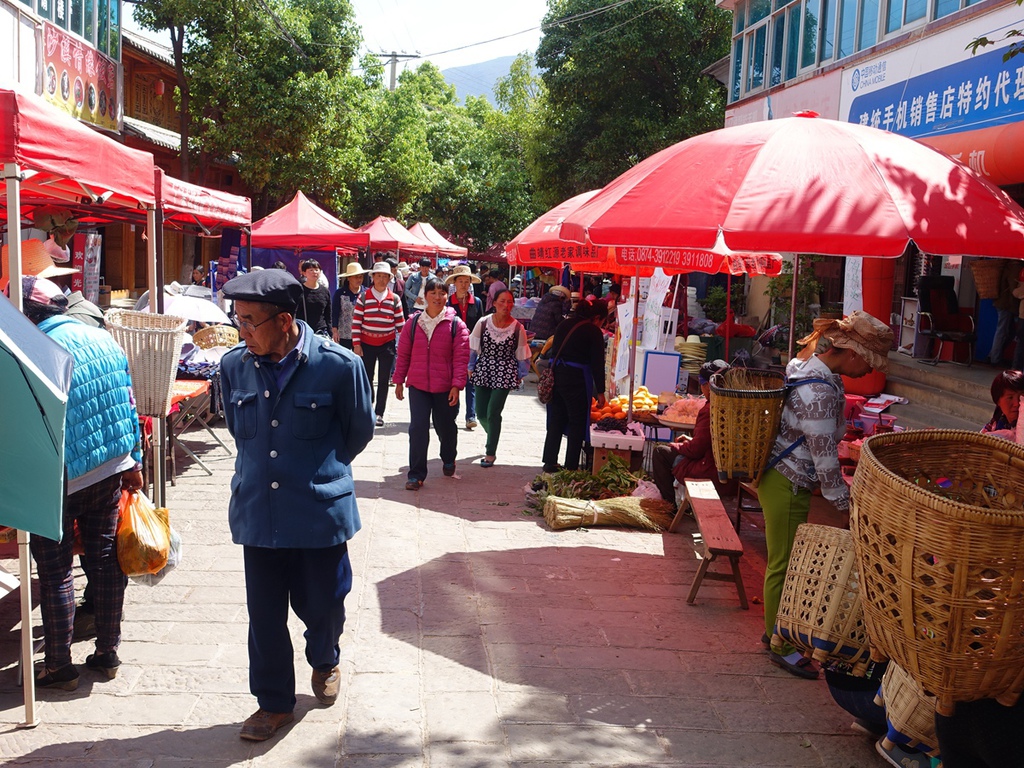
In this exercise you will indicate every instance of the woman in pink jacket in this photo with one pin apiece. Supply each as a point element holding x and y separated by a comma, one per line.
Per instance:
<point>433,359</point>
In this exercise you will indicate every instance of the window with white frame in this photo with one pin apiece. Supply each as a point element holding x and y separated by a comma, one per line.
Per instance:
<point>98,21</point>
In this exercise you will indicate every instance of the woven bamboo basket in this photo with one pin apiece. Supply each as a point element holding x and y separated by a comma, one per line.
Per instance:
<point>909,710</point>
<point>746,405</point>
<point>216,336</point>
<point>153,345</point>
<point>986,277</point>
<point>937,518</point>
<point>820,611</point>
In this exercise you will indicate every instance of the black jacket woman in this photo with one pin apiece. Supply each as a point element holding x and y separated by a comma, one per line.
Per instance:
<point>578,365</point>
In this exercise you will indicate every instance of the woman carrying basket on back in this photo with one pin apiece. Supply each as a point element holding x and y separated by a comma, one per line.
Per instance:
<point>806,451</point>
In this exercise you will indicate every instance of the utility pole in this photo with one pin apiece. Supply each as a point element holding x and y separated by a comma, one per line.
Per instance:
<point>394,57</point>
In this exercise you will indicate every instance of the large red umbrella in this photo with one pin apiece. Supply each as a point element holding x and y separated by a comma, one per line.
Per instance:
<point>805,185</point>
<point>541,244</point>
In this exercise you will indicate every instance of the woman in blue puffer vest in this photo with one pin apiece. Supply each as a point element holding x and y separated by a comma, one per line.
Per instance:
<point>102,454</point>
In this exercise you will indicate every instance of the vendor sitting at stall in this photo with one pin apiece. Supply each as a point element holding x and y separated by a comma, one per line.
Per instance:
<point>692,458</point>
<point>1007,388</point>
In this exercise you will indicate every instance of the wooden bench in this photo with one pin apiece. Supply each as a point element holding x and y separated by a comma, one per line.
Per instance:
<point>717,532</point>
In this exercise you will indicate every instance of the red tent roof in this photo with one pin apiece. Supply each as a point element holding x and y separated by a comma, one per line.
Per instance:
<point>386,234</point>
<point>301,224</point>
<point>67,156</point>
<point>426,231</point>
<point>185,203</point>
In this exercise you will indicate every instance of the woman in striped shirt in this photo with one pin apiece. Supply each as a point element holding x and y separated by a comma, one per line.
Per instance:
<point>376,323</point>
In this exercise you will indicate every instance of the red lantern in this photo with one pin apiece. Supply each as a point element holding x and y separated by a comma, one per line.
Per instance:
<point>158,87</point>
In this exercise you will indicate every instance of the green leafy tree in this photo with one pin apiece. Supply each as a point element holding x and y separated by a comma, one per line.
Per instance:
<point>623,82</point>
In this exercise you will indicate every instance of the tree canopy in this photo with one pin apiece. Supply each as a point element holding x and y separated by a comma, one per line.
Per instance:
<point>623,82</point>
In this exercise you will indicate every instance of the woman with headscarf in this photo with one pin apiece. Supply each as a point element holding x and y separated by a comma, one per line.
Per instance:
<point>578,366</point>
<point>693,457</point>
<point>498,361</point>
<point>806,451</point>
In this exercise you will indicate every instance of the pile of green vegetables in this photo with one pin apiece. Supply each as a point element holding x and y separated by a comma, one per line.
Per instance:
<point>613,479</point>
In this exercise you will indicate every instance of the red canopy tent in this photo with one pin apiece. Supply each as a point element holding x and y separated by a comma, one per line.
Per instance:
<point>425,231</point>
<point>185,204</point>
<point>49,158</point>
<point>302,225</point>
<point>386,234</point>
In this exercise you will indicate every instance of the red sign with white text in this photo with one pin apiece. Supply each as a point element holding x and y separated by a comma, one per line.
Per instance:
<point>80,80</point>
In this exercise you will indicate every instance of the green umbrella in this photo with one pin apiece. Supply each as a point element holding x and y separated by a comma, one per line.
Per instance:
<point>35,375</point>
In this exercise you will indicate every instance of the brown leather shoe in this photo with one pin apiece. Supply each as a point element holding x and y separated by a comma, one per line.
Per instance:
<point>325,685</point>
<point>262,724</point>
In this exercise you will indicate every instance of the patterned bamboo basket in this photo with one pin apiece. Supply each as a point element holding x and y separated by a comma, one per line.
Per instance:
<point>937,518</point>
<point>820,611</point>
<point>153,345</point>
<point>216,336</point>
<point>746,405</point>
<point>909,710</point>
<point>986,277</point>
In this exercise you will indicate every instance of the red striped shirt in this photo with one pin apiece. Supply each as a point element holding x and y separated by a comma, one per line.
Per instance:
<point>376,321</point>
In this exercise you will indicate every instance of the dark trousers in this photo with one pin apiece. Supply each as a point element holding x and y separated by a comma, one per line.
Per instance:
<point>1018,352</point>
<point>662,461</point>
<point>567,414</point>
<point>95,509</point>
<point>384,358</point>
<point>315,583</point>
<point>982,734</point>
<point>424,406</point>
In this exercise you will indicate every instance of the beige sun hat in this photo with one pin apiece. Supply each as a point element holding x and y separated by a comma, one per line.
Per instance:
<point>462,270</point>
<point>864,334</point>
<point>381,268</point>
<point>354,269</point>
<point>34,261</point>
<point>559,290</point>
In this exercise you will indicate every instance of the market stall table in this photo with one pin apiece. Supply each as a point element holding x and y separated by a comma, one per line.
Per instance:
<point>190,402</point>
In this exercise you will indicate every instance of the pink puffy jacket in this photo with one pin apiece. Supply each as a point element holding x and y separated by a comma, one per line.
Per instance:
<point>436,365</point>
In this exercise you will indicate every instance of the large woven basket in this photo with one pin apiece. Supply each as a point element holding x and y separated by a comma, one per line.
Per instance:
<point>938,523</point>
<point>820,611</point>
<point>986,277</point>
<point>909,710</point>
<point>746,405</point>
<point>216,336</point>
<point>153,345</point>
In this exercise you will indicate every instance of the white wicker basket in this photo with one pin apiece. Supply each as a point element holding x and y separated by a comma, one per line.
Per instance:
<point>153,345</point>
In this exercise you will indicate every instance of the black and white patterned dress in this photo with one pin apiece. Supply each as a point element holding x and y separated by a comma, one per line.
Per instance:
<point>497,365</point>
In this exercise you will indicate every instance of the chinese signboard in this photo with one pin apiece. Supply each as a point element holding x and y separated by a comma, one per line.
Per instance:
<point>80,80</point>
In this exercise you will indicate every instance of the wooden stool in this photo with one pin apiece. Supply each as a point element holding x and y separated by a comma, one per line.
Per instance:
<point>717,533</point>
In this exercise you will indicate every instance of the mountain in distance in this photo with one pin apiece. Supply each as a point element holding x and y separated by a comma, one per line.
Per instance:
<point>478,79</point>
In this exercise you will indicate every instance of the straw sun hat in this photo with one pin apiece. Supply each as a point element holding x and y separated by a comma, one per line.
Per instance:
<point>867,336</point>
<point>461,270</point>
<point>353,269</point>
<point>34,261</point>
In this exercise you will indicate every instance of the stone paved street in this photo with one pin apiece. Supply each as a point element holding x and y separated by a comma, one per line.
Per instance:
<point>476,637</point>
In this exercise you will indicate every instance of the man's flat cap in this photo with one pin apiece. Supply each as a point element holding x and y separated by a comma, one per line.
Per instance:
<point>269,286</point>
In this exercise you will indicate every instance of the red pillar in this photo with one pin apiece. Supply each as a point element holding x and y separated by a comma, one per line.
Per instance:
<point>877,277</point>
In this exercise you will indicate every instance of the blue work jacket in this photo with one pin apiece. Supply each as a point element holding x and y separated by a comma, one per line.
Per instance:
<point>293,485</point>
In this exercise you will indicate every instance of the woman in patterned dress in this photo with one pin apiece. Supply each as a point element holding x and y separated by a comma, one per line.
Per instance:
<point>499,359</point>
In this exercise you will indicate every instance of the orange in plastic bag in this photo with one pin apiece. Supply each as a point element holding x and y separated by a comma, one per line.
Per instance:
<point>143,535</point>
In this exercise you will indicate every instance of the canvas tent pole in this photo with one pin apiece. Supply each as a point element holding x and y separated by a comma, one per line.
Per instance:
<point>632,343</point>
<point>792,306</point>
<point>156,298</point>
<point>12,175</point>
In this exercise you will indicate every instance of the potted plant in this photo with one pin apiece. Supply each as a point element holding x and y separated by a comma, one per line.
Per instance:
<point>715,300</point>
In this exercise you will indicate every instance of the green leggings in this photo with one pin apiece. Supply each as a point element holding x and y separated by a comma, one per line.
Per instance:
<point>783,512</point>
<point>489,404</point>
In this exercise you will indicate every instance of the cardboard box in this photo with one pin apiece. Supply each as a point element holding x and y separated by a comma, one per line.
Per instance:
<point>616,441</point>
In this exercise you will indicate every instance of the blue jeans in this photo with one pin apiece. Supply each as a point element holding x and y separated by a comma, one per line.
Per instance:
<point>470,402</point>
<point>315,582</point>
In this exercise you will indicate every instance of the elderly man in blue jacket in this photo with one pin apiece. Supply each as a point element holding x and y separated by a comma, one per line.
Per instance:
<point>298,406</point>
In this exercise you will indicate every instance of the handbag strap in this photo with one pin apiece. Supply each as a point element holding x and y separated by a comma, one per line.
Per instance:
<point>562,345</point>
